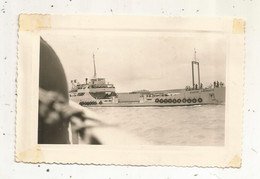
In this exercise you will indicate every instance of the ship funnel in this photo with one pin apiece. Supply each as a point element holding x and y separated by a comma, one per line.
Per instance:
<point>95,73</point>
<point>194,63</point>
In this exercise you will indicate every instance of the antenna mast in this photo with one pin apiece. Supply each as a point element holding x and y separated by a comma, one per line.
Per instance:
<point>195,52</point>
<point>193,63</point>
<point>95,73</point>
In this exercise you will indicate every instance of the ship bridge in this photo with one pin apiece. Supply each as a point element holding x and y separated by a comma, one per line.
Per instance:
<point>98,81</point>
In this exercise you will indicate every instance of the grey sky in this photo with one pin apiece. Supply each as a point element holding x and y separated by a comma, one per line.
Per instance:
<point>140,60</point>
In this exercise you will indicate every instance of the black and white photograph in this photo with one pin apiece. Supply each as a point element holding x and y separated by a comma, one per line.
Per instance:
<point>165,88</point>
<point>157,91</point>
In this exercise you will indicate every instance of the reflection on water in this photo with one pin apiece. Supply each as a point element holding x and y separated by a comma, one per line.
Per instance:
<point>189,125</point>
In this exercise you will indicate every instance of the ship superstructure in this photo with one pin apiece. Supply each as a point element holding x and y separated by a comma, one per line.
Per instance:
<point>96,89</point>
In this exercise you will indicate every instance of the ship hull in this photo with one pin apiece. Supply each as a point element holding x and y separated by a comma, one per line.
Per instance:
<point>145,105</point>
<point>206,96</point>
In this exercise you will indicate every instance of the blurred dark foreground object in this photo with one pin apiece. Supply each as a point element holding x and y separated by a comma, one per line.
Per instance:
<point>52,75</point>
<point>54,116</point>
<point>54,113</point>
<point>52,78</point>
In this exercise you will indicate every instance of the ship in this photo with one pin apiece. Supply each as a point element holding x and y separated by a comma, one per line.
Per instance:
<point>98,93</point>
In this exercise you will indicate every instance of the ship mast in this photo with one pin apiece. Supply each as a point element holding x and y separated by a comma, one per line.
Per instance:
<point>95,73</point>
<point>193,63</point>
<point>195,52</point>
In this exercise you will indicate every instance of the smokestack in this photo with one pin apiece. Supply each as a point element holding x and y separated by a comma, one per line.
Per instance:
<point>86,80</point>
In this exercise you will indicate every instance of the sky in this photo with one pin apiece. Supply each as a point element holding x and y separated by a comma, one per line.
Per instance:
<point>139,60</point>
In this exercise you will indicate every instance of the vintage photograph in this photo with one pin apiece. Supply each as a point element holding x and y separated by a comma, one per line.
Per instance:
<point>164,88</point>
<point>128,90</point>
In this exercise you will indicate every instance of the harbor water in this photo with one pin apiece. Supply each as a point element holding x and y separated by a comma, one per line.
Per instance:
<point>182,125</point>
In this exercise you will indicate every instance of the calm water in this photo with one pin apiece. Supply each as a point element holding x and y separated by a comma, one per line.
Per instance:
<point>191,125</point>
